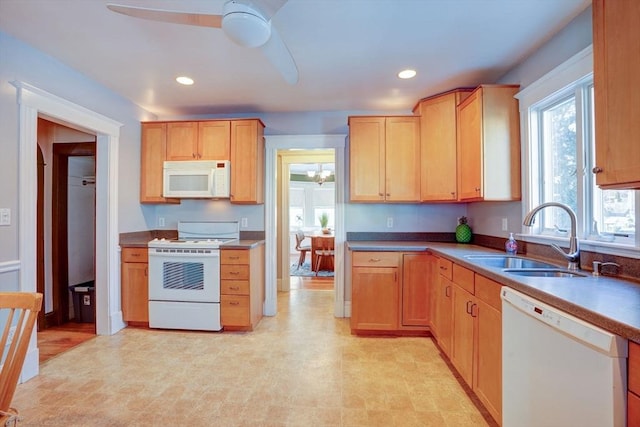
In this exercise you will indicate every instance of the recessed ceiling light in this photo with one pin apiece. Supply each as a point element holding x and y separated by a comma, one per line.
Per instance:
<point>183,80</point>
<point>407,74</point>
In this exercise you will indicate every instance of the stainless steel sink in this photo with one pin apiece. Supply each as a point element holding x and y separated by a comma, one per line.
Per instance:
<point>543,272</point>
<point>505,261</point>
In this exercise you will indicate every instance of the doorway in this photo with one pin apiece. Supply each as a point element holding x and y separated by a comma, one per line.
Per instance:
<point>308,193</point>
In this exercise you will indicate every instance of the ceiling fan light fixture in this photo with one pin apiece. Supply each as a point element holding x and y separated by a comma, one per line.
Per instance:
<point>407,74</point>
<point>244,25</point>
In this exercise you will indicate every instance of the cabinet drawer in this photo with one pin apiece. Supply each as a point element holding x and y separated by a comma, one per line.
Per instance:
<point>634,367</point>
<point>135,255</point>
<point>445,268</point>
<point>488,291</point>
<point>463,277</point>
<point>234,256</point>
<point>234,310</point>
<point>376,259</point>
<point>234,272</point>
<point>633,410</point>
<point>234,287</point>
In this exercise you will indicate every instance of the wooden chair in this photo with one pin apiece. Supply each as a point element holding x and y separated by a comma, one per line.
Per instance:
<point>324,249</point>
<point>15,342</point>
<point>303,249</point>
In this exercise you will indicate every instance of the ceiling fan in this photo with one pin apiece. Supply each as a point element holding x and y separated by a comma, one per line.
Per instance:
<point>246,22</point>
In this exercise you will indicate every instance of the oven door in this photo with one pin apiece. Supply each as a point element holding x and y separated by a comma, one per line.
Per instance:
<point>184,275</point>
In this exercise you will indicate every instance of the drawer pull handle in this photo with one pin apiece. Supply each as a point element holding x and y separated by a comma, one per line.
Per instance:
<point>234,303</point>
<point>374,260</point>
<point>443,268</point>
<point>234,288</point>
<point>234,257</point>
<point>235,273</point>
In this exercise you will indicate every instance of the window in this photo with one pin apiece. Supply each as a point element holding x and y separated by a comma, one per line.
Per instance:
<point>558,113</point>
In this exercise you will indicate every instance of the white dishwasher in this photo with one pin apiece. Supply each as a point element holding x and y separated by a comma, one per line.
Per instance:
<point>557,370</point>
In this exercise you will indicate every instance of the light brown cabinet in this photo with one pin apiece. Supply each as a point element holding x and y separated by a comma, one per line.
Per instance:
<point>443,310</point>
<point>200,140</point>
<point>241,287</point>
<point>488,145</point>
<point>134,282</point>
<point>633,395</point>
<point>438,153</point>
<point>416,289</point>
<point>384,159</point>
<point>616,66</point>
<point>375,291</point>
<point>153,147</point>
<point>476,335</point>
<point>247,161</point>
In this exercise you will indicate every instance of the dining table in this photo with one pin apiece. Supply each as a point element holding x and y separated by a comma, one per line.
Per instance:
<point>324,241</point>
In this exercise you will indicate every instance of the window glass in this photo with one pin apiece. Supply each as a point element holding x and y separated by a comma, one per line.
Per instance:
<point>559,154</point>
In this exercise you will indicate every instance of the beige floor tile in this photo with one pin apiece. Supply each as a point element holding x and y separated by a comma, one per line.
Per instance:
<point>299,368</point>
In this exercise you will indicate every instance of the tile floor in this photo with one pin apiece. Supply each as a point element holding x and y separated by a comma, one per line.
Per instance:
<point>299,368</point>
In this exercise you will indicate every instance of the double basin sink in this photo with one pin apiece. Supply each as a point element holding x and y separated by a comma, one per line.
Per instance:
<point>523,266</point>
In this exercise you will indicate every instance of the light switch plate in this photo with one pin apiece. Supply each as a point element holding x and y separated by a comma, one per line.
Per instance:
<point>5,216</point>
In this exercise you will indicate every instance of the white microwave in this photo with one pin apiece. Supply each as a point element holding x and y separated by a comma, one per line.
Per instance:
<point>196,179</point>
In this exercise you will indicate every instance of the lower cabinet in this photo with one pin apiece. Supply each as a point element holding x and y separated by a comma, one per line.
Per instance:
<point>134,282</point>
<point>471,305</point>
<point>375,291</point>
<point>633,394</point>
<point>241,287</point>
<point>390,292</point>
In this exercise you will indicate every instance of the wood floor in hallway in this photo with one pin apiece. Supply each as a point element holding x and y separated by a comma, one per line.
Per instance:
<point>301,367</point>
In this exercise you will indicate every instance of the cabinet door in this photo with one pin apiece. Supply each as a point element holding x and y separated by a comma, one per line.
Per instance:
<point>470,147</point>
<point>214,140</point>
<point>616,60</point>
<point>375,298</point>
<point>247,162</point>
<point>182,141</point>
<point>444,314</point>
<point>402,159</point>
<point>416,285</point>
<point>366,159</point>
<point>487,365</point>
<point>463,333</point>
<point>135,292</point>
<point>152,155</point>
<point>438,167</point>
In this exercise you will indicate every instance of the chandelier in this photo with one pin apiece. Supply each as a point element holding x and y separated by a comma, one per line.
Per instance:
<point>320,176</point>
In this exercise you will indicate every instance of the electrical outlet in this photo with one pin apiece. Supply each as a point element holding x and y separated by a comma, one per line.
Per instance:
<point>244,223</point>
<point>161,221</point>
<point>5,216</point>
<point>390,222</point>
<point>505,224</point>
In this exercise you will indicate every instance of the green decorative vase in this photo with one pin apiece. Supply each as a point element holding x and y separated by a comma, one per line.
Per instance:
<point>463,231</point>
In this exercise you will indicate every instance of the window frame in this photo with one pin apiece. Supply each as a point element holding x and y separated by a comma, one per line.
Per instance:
<point>574,77</point>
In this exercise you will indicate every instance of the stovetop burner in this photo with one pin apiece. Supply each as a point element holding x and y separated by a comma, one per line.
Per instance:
<point>206,234</point>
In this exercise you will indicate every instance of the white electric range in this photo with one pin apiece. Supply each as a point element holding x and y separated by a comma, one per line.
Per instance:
<point>184,276</point>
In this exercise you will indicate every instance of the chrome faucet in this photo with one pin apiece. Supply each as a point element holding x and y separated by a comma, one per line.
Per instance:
<point>573,257</point>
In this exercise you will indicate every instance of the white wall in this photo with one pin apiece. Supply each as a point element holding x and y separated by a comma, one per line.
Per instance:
<point>486,218</point>
<point>20,62</point>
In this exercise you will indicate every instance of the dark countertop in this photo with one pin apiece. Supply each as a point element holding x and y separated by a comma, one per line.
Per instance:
<point>609,303</point>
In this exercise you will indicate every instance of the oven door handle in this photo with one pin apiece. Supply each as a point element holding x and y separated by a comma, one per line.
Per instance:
<point>199,253</point>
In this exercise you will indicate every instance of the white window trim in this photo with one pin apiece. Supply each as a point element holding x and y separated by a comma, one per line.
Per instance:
<point>578,67</point>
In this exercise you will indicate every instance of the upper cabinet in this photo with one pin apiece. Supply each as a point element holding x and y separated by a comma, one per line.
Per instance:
<point>384,159</point>
<point>152,156</point>
<point>488,145</point>
<point>206,140</point>
<point>247,161</point>
<point>616,60</point>
<point>240,141</point>
<point>438,124</point>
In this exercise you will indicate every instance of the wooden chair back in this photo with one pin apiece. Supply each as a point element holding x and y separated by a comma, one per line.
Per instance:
<point>24,307</point>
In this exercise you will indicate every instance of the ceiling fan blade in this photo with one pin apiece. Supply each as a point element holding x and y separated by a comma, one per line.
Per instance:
<point>278,54</point>
<point>198,19</point>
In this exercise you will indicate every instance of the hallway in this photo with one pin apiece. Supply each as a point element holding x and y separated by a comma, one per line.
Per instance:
<point>299,368</point>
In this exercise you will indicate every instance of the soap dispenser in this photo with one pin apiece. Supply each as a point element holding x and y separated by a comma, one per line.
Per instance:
<point>511,246</point>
